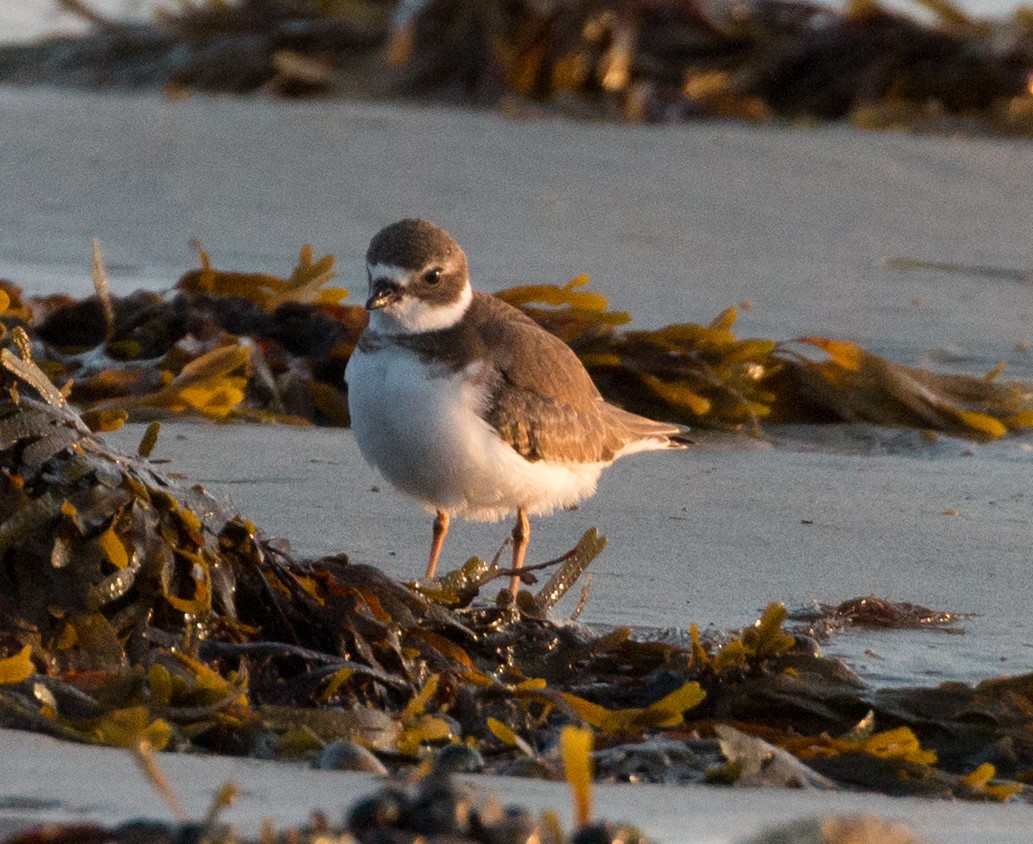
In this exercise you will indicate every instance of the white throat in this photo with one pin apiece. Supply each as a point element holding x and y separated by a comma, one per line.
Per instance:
<point>412,315</point>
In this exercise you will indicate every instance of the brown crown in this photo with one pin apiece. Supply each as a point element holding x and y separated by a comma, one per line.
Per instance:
<point>413,244</point>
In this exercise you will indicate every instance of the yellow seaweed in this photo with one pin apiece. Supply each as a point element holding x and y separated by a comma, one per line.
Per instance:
<point>103,420</point>
<point>502,732</point>
<point>423,729</point>
<point>129,727</point>
<point>113,548</point>
<point>201,602</point>
<point>508,736</point>
<point>677,394</point>
<point>981,778</point>
<point>334,684</point>
<point>982,423</point>
<point>899,743</point>
<point>299,741</point>
<point>731,656</point>
<point>534,684</point>
<point>846,355</point>
<point>767,638</point>
<point>207,385</point>
<point>857,385</point>
<point>15,669</point>
<point>552,294</point>
<point>305,283</point>
<point>149,439</point>
<point>763,640</point>
<point>1019,420</point>
<point>162,685</point>
<point>667,712</point>
<point>576,752</point>
<point>418,727</point>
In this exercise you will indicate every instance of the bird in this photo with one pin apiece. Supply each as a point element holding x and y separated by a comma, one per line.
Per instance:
<point>467,405</point>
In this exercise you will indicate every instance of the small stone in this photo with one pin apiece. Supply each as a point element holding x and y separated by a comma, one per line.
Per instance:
<point>458,759</point>
<point>347,756</point>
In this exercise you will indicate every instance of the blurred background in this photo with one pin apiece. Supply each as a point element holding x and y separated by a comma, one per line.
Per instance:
<point>27,19</point>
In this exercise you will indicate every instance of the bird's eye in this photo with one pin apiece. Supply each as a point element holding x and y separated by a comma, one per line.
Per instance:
<point>432,276</point>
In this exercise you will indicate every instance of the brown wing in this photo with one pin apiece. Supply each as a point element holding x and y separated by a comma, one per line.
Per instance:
<point>543,402</point>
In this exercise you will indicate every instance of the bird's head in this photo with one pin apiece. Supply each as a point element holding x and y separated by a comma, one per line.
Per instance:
<point>418,279</point>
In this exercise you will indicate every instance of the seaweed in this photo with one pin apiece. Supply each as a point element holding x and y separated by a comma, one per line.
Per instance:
<point>823,620</point>
<point>658,61</point>
<point>135,609</point>
<point>855,385</point>
<point>303,285</point>
<point>170,621</point>
<point>257,347</point>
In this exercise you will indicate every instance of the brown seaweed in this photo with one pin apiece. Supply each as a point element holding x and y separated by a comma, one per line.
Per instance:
<point>151,613</point>
<point>641,61</point>
<point>258,347</point>
<point>856,385</point>
<point>871,611</point>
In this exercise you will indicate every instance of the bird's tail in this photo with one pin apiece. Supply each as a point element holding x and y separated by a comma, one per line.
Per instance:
<point>645,434</point>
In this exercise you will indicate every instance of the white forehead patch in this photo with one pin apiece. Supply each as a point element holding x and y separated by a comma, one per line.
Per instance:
<point>399,275</point>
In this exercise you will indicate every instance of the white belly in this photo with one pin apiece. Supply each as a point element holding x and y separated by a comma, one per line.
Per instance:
<point>422,431</point>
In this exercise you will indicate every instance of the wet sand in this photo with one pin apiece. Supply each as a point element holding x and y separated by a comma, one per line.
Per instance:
<point>708,536</point>
<point>674,224</point>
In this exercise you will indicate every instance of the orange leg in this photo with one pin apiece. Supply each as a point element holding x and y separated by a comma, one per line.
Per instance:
<point>440,532</point>
<point>521,536</point>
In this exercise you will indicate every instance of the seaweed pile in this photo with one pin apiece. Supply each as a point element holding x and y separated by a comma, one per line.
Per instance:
<point>249,346</point>
<point>135,610</point>
<point>650,60</point>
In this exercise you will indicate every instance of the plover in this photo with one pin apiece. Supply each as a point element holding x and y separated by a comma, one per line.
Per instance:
<point>468,405</point>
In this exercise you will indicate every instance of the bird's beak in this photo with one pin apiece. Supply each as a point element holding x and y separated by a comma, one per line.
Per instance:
<point>383,292</point>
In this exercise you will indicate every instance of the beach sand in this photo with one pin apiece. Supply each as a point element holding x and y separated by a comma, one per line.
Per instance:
<point>51,774</point>
<point>674,224</point>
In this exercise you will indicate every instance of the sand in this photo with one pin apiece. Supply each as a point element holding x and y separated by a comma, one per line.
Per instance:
<point>50,773</point>
<point>673,224</point>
